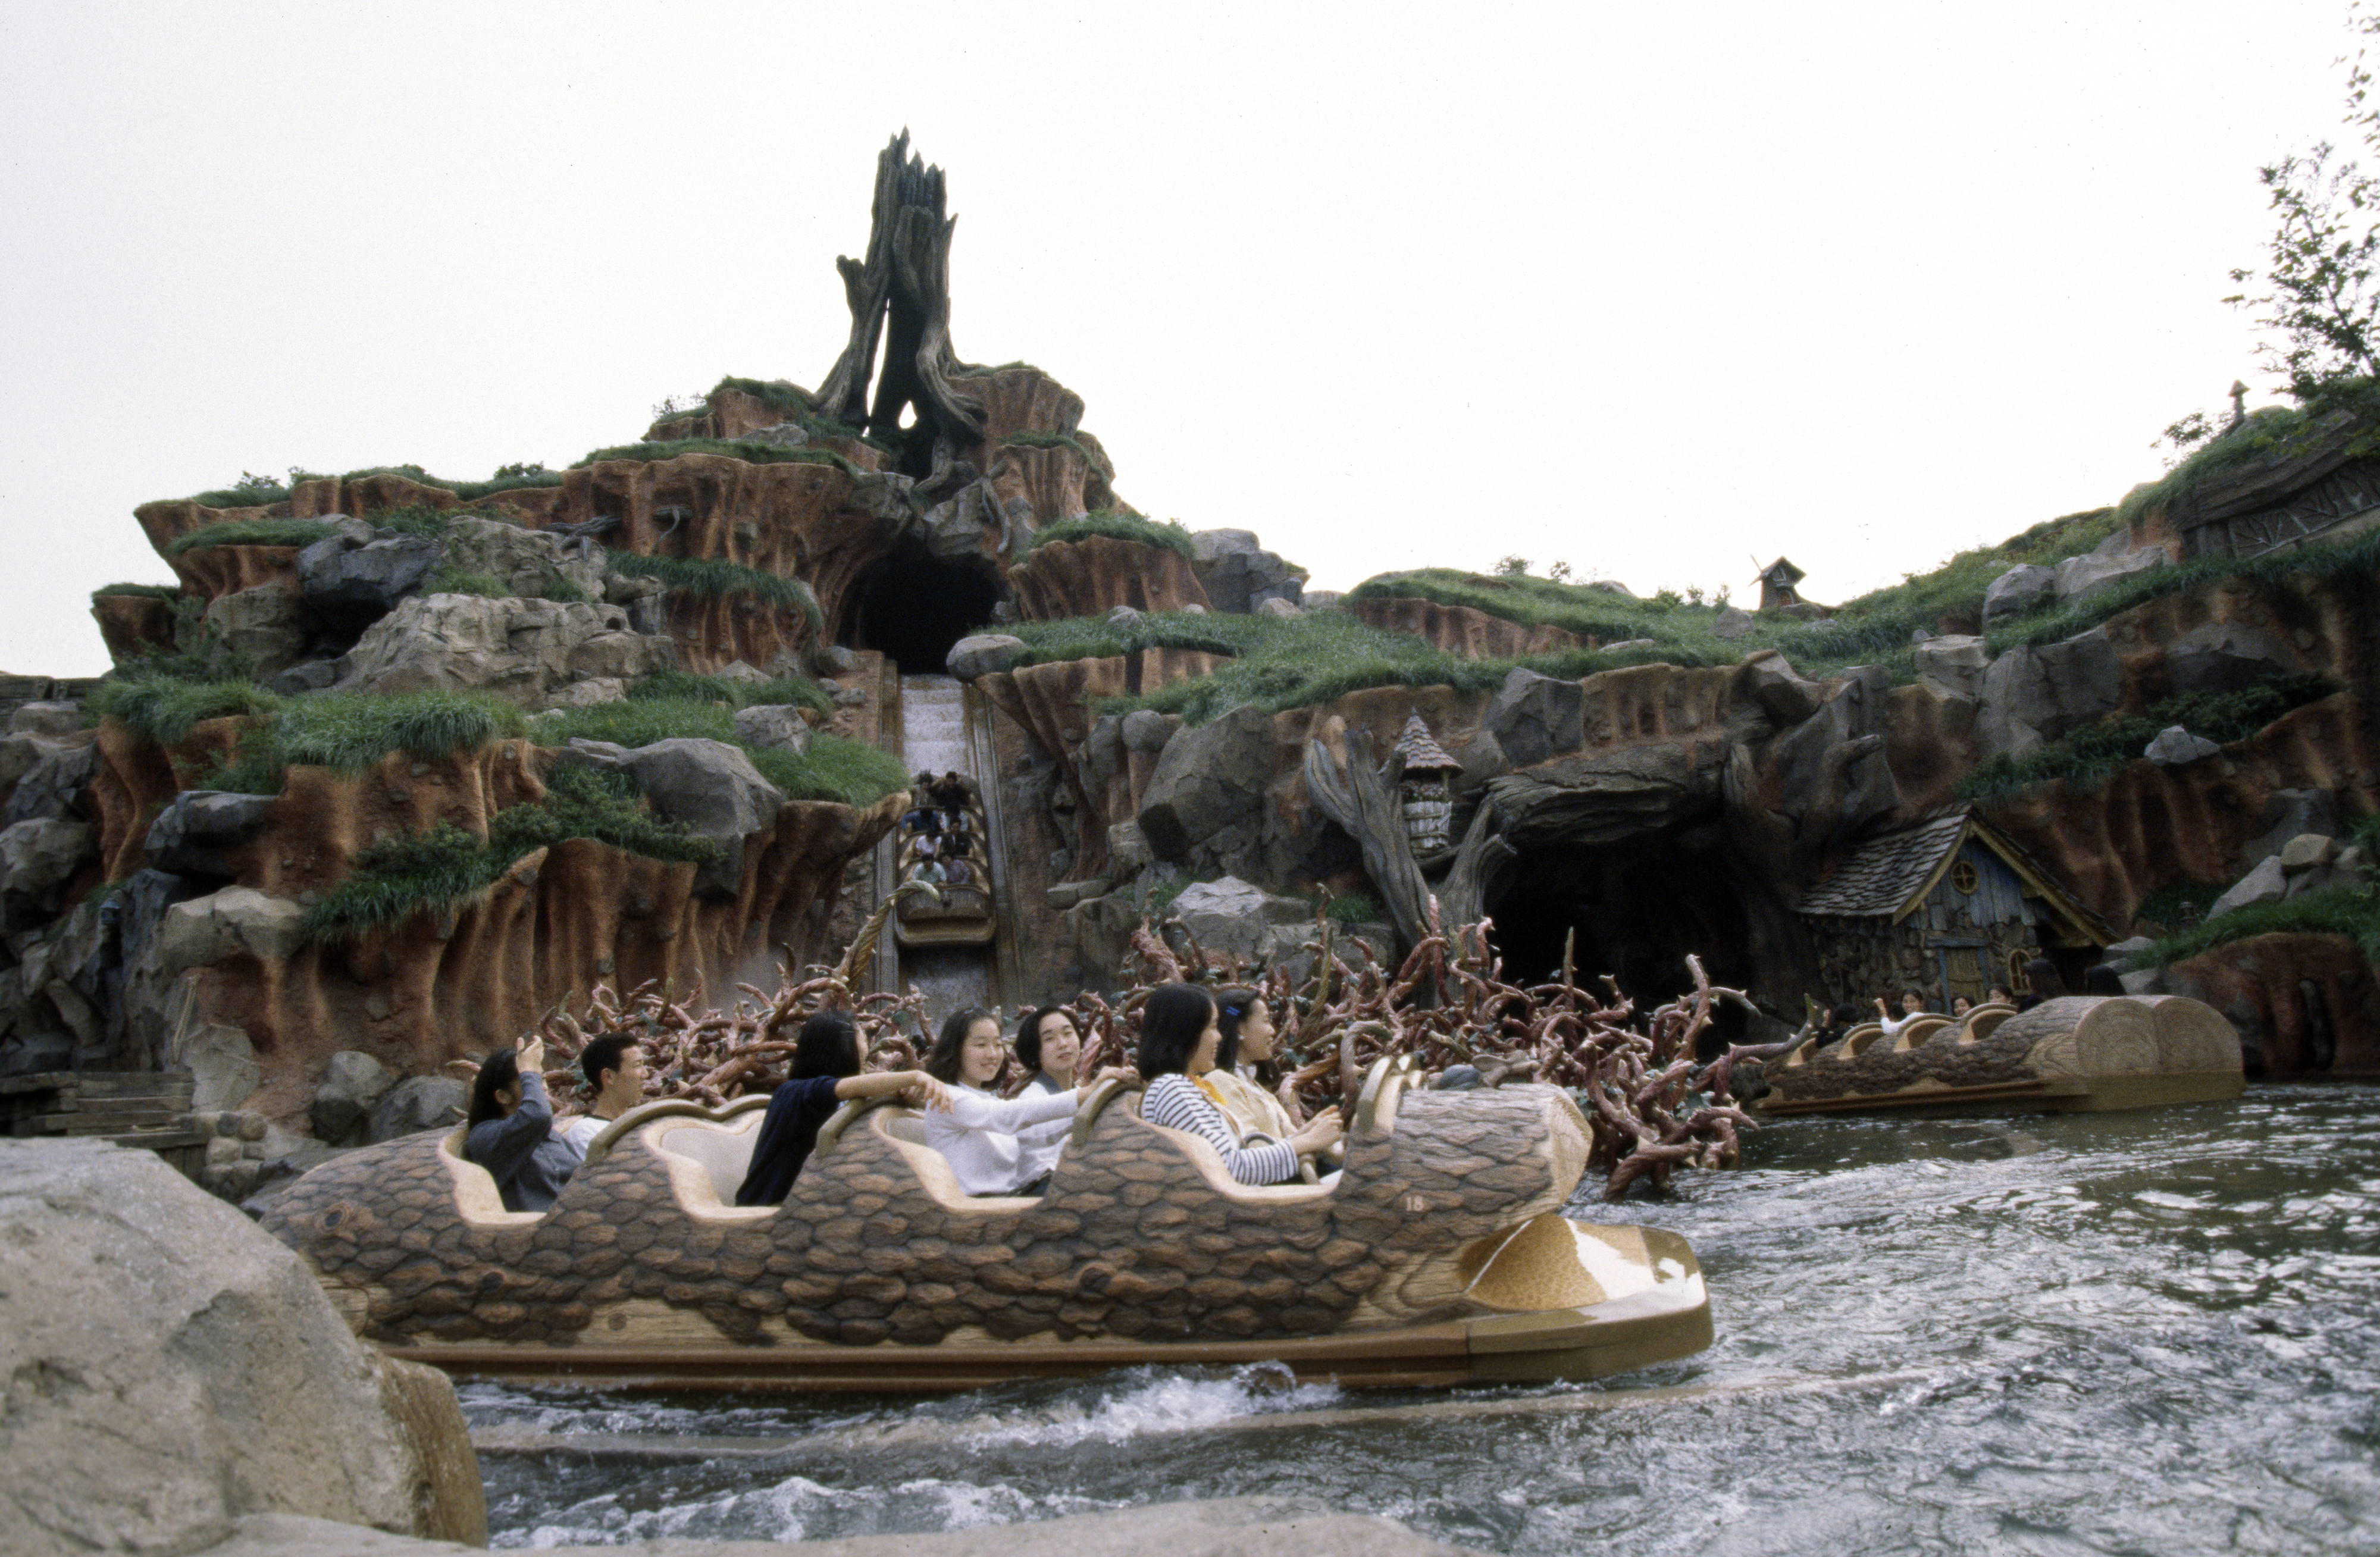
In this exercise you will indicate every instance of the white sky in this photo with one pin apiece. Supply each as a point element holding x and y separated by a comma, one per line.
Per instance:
<point>1651,289</point>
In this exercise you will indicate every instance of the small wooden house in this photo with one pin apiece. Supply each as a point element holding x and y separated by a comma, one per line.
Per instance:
<point>1776,584</point>
<point>1949,906</point>
<point>1426,787</point>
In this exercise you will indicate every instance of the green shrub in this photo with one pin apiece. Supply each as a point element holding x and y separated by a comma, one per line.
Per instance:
<point>2164,906</point>
<point>674,685</point>
<point>393,881</point>
<point>249,532</point>
<point>166,709</point>
<point>143,592</point>
<point>2088,756</point>
<point>584,802</point>
<point>1117,526</point>
<point>562,591</point>
<point>350,731</point>
<point>775,393</point>
<point>750,453</point>
<point>717,576</point>
<point>1353,907</point>
<point>850,773</point>
<point>2349,911</point>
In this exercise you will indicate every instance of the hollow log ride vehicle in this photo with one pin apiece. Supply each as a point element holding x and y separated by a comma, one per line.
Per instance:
<point>2075,1055</point>
<point>1439,1258</point>
<point>954,913</point>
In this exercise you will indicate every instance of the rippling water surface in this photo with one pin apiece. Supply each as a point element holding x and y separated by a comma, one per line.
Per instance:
<point>2152,1332</point>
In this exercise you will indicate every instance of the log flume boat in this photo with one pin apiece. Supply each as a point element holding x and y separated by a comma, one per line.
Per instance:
<point>1439,1257</point>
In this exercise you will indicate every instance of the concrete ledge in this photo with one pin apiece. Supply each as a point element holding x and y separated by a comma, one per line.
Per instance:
<point>1217,1528</point>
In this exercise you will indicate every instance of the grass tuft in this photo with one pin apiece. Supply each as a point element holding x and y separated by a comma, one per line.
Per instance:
<point>165,709</point>
<point>1169,534</point>
<point>2088,756</point>
<point>674,685</point>
<point>143,592</point>
<point>348,732</point>
<point>249,532</point>
<point>717,576</point>
<point>2356,556</point>
<point>2349,911</point>
<point>750,453</point>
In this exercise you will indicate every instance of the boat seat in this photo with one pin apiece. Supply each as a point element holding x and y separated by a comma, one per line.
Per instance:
<point>906,1131</point>
<point>706,1159</point>
<point>477,1198</point>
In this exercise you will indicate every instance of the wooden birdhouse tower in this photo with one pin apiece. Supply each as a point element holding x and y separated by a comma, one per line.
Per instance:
<point>1427,787</point>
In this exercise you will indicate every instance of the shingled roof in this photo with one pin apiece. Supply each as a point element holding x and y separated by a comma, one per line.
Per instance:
<point>1887,876</point>
<point>1421,751</point>
<point>1884,874</point>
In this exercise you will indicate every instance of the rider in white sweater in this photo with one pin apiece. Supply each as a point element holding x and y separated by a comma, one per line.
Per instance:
<point>978,1135</point>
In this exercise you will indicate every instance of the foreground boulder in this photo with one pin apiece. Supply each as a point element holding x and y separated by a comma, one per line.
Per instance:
<point>171,1368</point>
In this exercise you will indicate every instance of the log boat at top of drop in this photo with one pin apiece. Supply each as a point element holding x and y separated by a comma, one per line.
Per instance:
<point>1440,1258</point>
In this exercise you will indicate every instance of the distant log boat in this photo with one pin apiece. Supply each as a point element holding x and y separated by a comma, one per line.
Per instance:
<point>1440,1258</point>
<point>2079,1055</point>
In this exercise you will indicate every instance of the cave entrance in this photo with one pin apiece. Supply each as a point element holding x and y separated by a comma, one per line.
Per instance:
<point>913,607</point>
<point>1638,907</point>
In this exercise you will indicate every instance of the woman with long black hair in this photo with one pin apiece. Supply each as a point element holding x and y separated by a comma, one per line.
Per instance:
<point>1178,1043</point>
<point>990,1141</point>
<point>824,1074</point>
<point>510,1129</point>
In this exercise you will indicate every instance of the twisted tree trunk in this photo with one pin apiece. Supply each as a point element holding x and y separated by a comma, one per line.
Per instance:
<point>1363,799</point>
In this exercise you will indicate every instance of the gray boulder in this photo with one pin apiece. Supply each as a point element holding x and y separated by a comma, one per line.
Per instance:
<point>982,653</point>
<point>2018,592</point>
<point>2266,883</point>
<point>2224,657</point>
<point>1146,730</point>
<point>1128,850</point>
<point>55,786</point>
<point>1770,680</point>
<point>522,649</point>
<point>1238,574</point>
<point>174,1368</point>
<point>1124,616</point>
<point>205,931</point>
<point>2078,578</point>
<point>194,835</point>
<point>265,622</point>
<point>1733,621</point>
<point>417,1103</point>
<point>2031,695</point>
<point>1533,717</point>
<point>1236,918</point>
<point>835,660</point>
<point>773,727</point>
<point>2121,956</point>
<point>306,676</point>
<point>1956,663</point>
<point>39,856</point>
<point>363,582</point>
<point>222,1063</point>
<point>2176,746</point>
<point>54,719</point>
<point>526,562</point>
<point>1208,787</point>
<point>715,791</point>
<point>1320,600</point>
<point>1279,608</point>
<point>353,1083</point>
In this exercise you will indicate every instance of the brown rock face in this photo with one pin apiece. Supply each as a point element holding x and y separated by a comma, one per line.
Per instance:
<point>2304,1004</point>
<point>1459,629</point>
<point>133,625</point>
<point>1093,575</point>
<point>438,986</point>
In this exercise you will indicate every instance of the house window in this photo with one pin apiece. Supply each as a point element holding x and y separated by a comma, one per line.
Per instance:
<point>2017,985</point>
<point>1965,877</point>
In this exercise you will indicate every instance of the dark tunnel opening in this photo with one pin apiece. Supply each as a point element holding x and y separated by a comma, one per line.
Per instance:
<point>1638,908</point>
<point>913,607</point>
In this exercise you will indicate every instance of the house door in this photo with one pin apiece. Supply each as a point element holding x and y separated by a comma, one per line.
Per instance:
<point>1963,971</point>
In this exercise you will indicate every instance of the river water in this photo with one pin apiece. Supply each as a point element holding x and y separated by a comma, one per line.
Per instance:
<point>2154,1332</point>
